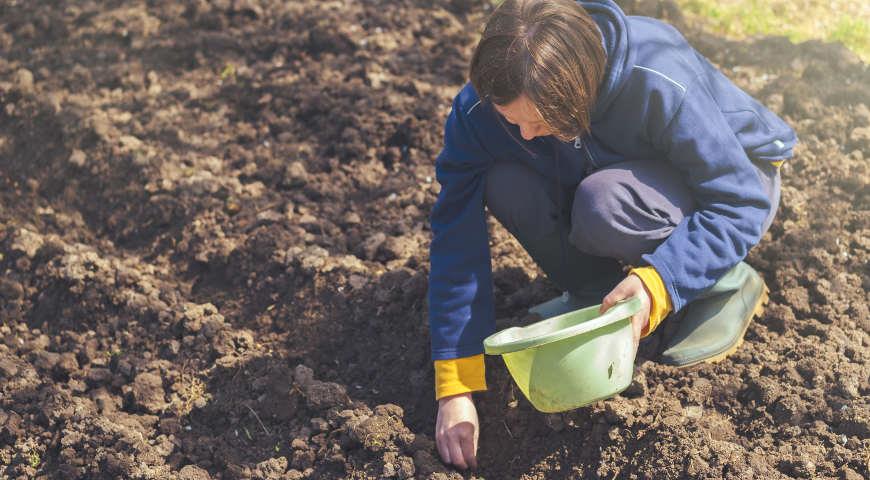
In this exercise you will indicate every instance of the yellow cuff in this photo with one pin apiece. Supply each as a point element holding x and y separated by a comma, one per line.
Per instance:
<point>459,375</point>
<point>660,302</point>
<point>777,163</point>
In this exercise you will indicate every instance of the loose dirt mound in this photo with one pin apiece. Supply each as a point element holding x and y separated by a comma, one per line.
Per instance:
<point>213,243</point>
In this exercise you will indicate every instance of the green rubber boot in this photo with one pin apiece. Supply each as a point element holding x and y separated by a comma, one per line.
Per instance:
<point>712,325</point>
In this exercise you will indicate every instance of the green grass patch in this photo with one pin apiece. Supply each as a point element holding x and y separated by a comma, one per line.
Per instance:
<point>846,21</point>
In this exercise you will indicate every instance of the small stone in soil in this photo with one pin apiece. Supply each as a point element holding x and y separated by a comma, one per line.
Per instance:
<point>295,175</point>
<point>24,80</point>
<point>148,392</point>
<point>192,472</point>
<point>78,158</point>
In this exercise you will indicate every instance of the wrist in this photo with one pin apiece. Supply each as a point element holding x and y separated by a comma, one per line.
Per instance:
<point>645,289</point>
<point>443,400</point>
<point>647,302</point>
<point>659,300</point>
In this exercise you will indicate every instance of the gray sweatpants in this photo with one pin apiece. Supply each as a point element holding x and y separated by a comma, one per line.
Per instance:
<point>614,216</point>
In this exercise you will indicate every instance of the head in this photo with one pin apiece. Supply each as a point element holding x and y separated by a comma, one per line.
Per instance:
<point>540,62</point>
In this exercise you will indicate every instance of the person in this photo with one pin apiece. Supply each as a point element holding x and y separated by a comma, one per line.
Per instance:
<point>624,163</point>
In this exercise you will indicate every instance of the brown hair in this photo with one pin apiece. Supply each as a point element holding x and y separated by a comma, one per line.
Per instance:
<point>549,50</point>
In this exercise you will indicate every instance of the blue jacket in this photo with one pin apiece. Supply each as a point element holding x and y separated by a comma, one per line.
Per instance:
<point>660,99</point>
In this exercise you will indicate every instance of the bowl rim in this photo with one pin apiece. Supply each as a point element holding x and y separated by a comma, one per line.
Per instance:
<point>619,311</point>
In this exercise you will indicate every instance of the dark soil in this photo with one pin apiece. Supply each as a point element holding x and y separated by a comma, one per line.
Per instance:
<point>214,240</point>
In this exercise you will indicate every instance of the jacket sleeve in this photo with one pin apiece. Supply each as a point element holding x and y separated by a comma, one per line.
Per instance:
<point>731,203</point>
<point>461,310</point>
<point>459,375</point>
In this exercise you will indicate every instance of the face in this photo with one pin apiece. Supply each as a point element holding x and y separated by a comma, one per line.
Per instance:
<point>522,113</point>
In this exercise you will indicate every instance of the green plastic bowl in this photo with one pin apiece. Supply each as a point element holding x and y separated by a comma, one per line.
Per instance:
<point>570,360</point>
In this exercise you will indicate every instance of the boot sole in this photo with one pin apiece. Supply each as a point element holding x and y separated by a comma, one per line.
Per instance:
<point>757,311</point>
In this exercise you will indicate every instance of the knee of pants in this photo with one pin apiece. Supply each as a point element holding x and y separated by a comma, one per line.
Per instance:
<point>609,217</point>
<point>594,223</point>
<point>627,210</point>
<point>517,197</point>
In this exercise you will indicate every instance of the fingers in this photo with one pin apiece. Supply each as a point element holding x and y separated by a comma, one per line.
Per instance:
<point>441,442</point>
<point>458,446</point>
<point>456,453</point>
<point>620,292</point>
<point>468,447</point>
<point>442,439</point>
<point>636,329</point>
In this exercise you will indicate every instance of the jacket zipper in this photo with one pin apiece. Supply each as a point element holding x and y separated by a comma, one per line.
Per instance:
<point>591,158</point>
<point>560,205</point>
<point>578,144</point>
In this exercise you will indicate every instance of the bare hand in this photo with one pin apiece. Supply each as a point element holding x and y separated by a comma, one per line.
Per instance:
<point>631,286</point>
<point>456,431</point>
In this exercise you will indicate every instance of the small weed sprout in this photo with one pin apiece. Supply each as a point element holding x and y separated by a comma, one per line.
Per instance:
<point>229,71</point>
<point>33,458</point>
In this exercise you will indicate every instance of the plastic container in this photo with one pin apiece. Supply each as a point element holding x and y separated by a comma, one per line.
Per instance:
<point>570,360</point>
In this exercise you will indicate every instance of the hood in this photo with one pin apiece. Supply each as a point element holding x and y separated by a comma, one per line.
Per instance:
<point>616,38</point>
